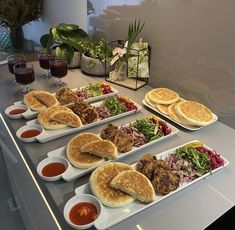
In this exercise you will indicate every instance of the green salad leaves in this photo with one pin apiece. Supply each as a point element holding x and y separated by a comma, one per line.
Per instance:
<point>114,105</point>
<point>151,131</point>
<point>200,161</point>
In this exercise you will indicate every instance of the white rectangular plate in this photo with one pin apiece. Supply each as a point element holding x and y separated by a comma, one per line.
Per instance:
<point>189,127</point>
<point>48,135</point>
<point>114,216</point>
<point>32,114</point>
<point>74,172</point>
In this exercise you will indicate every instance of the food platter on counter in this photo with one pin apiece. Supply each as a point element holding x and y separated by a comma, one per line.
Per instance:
<point>73,172</point>
<point>52,134</point>
<point>89,93</point>
<point>190,115</point>
<point>113,216</point>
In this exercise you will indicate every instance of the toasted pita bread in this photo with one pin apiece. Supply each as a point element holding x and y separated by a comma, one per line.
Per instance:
<point>194,113</point>
<point>135,184</point>
<point>163,96</point>
<point>163,108</point>
<point>33,103</point>
<point>66,118</point>
<point>46,98</point>
<point>78,159</point>
<point>174,116</point>
<point>100,185</point>
<point>101,148</point>
<point>44,117</point>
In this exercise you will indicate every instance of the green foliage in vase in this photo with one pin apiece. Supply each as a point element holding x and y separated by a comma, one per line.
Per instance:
<point>134,30</point>
<point>15,13</point>
<point>65,38</point>
<point>98,50</point>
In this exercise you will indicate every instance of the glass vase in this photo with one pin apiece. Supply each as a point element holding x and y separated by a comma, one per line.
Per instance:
<point>17,38</point>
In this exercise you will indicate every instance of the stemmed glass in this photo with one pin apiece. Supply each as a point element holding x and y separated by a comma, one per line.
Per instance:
<point>44,59</point>
<point>12,60</point>
<point>24,75</point>
<point>58,69</point>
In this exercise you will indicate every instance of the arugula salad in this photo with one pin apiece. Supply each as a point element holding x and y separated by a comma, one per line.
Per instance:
<point>146,130</point>
<point>193,160</point>
<point>94,90</point>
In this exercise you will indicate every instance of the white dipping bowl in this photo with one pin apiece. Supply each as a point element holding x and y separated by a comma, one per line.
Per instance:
<point>49,160</point>
<point>28,127</point>
<point>16,116</point>
<point>78,199</point>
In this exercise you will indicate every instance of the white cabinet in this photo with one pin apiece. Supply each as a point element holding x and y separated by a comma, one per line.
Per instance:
<point>31,202</point>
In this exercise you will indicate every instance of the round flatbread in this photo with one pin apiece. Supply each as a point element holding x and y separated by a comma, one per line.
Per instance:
<point>46,98</point>
<point>148,101</point>
<point>172,113</point>
<point>163,108</point>
<point>32,102</point>
<point>100,185</point>
<point>78,159</point>
<point>194,113</point>
<point>163,96</point>
<point>44,117</point>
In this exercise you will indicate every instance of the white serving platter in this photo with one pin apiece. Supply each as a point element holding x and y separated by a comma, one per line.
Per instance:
<point>74,172</point>
<point>48,135</point>
<point>113,216</point>
<point>30,114</point>
<point>188,127</point>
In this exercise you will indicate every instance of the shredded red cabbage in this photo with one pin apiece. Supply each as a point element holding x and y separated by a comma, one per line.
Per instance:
<point>129,104</point>
<point>215,160</point>
<point>106,88</point>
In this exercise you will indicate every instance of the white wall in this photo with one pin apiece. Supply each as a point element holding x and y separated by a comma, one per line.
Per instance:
<point>192,41</point>
<point>55,12</point>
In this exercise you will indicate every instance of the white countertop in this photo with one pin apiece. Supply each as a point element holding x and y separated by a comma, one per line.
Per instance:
<point>192,208</point>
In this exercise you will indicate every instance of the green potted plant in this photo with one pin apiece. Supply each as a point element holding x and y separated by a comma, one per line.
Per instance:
<point>67,42</point>
<point>14,14</point>
<point>96,57</point>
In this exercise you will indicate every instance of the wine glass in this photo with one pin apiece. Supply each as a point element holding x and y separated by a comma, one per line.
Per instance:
<point>12,60</point>
<point>44,59</point>
<point>58,69</point>
<point>24,75</point>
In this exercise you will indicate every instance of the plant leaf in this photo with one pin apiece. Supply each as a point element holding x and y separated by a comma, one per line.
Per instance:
<point>65,52</point>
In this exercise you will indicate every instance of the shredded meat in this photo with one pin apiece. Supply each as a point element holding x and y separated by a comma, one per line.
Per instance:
<point>66,96</point>
<point>109,132</point>
<point>123,141</point>
<point>85,111</point>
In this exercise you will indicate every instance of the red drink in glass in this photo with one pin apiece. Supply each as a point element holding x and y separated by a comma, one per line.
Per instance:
<point>44,60</point>
<point>58,68</point>
<point>13,62</point>
<point>24,76</point>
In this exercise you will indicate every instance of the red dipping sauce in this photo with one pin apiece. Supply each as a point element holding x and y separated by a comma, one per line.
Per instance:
<point>30,133</point>
<point>83,213</point>
<point>17,111</point>
<point>53,169</point>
